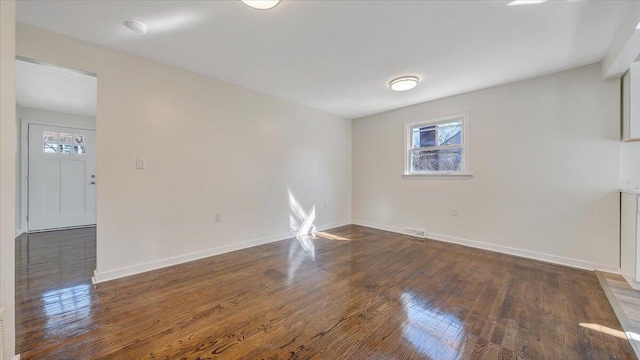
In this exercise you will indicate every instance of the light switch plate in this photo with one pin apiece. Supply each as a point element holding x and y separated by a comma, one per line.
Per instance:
<point>140,164</point>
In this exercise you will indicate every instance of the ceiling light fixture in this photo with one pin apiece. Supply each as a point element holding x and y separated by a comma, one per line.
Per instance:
<point>526,2</point>
<point>404,83</point>
<point>262,4</point>
<point>136,26</point>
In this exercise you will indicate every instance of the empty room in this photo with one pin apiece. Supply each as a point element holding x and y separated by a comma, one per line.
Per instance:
<point>291,179</point>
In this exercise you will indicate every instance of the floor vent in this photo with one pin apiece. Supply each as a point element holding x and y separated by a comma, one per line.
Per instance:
<point>415,232</point>
<point>1,334</point>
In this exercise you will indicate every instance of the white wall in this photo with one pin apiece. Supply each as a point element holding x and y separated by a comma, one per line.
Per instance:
<point>209,147</point>
<point>56,118</point>
<point>545,155</point>
<point>629,162</point>
<point>42,117</point>
<point>7,171</point>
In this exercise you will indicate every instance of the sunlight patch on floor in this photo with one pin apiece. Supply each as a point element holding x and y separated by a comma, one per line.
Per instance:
<point>613,332</point>
<point>328,236</point>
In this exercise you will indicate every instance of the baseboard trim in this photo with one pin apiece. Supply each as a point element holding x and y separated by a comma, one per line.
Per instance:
<point>62,229</point>
<point>575,263</point>
<point>100,277</point>
<point>19,232</point>
<point>631,281</point>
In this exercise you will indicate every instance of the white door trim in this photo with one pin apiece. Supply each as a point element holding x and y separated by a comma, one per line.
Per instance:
<point>24,162</point>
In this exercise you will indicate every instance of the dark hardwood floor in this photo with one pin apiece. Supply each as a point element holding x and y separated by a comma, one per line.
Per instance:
<point>349,293</point>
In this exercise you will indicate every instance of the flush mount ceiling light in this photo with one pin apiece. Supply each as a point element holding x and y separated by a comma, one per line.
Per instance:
<point>262,4</point>
<point>135,26</point>
<point>404,83</point>
<point>526,2</point>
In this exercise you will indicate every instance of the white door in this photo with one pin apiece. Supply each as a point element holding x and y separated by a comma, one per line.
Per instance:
<point>61,177</point>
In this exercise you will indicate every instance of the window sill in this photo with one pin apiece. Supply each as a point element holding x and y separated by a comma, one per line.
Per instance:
<point>445,176</point>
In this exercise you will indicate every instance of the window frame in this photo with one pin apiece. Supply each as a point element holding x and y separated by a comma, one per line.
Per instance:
<point>60,144</point>
<point>465,169</point>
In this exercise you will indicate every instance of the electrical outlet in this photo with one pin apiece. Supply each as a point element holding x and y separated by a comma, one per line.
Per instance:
<point>453,212</point>
<point>325,205</point>
<point>218,217</point>
<point>140,164</point>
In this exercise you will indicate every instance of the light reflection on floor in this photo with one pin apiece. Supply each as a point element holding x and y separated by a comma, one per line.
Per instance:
<point>425,328</point>
<point>72,303</point>
<point>303,248</point>
<point>300,250</point>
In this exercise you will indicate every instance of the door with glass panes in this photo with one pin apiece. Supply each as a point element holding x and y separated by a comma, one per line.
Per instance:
<point>61,177</point>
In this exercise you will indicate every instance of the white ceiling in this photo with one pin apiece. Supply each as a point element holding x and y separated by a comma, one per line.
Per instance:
<point>338,56</point>
<point>54,88</point>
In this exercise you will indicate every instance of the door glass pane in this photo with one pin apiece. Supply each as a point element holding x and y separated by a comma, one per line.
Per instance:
<point>48,136</point>
<point>436,160</point>
<point>50,147</point>
<point>79,149</point>
<point>66,148</point>
<point>50,142</point>
<point>66,138</point>
<point>78,139</point>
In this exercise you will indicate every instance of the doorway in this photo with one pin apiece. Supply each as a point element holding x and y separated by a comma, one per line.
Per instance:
<point>56,118</point>
<point>56,184</point>
<point>61,177</point>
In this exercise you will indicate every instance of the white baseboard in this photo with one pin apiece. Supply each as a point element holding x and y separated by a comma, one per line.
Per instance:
<point>17,357</point>
<point>100,277</point>
<point>575,263</point>
<point>19,232</point>
<point>631,281</point>
<point>334,225</point>
<point>391,228</point>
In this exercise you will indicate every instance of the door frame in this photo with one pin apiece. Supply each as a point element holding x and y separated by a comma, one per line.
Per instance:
<point>24,162</point>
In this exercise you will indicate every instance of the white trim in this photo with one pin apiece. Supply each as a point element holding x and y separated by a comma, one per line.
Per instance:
<point>575,263</point>
<point>391,228</point>
<point>17,357</point>
<point>38,62</point>
<point>24,165</point>
<point>631,281</point>
<point>630,191</point>
<point>466,158</point>
<point>443,176</point>
<point>158,264</point>
<point>62,228</point>
<point>19,232</point>
<point>100,277</point>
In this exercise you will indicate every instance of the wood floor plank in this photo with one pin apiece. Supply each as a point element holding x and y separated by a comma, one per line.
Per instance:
<point>348,293</point>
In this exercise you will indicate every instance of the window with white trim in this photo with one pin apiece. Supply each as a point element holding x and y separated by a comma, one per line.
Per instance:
<point>437,146</point>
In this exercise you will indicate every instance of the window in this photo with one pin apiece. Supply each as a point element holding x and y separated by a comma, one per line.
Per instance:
<point>63,143</point>
<point>438,147</point>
